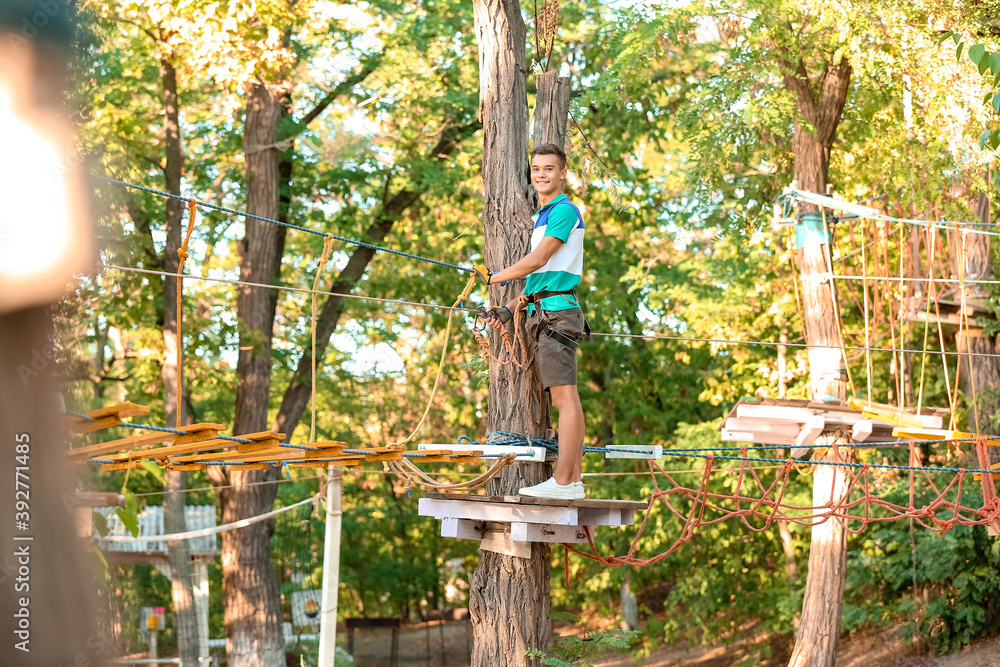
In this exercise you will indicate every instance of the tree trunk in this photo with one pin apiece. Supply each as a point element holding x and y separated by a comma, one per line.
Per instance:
<point>181,591</point>
<point>819,625</point>
<point>509,597</point>
<point>250,586</point>
<point>814,133</point>
<point>44,558</point>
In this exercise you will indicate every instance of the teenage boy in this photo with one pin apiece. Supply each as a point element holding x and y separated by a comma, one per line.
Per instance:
<point>555,320</point>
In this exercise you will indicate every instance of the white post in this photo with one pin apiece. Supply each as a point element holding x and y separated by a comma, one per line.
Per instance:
<point>331,569</point>
<point>200,588</point>
<point>152,646</point>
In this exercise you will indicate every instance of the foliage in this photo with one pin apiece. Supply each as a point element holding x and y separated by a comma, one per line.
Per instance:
<point>573,651</point>
<point>680,142</point>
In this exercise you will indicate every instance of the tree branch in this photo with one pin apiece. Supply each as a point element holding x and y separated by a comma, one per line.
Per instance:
<point>362,73</point>
<point>296,397</point>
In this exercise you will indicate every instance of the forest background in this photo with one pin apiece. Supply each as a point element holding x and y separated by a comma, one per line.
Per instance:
<point>680,143</point>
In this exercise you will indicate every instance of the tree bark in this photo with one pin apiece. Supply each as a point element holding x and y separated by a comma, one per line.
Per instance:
<point>509,597</point>
<point>250,585</point>
<point>181,591</point>
<point>819,625</point>
<point>814,133</point>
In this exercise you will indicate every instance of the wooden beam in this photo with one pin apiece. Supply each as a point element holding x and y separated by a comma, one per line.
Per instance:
<point>502,543</point>
<point>811,430</point>
<point>322,464</point>
<point>534,532</point>
<point>522,453</point>
<point>462,529</point>
<point>501,512</point>
<point>647,452</point>
<point>128,465</point>
<point>861,430</point>
<point>937,434</point>
<point>106,417</point>
<point>133,442</point>
<point>592,503</point>
<point>176,450</point>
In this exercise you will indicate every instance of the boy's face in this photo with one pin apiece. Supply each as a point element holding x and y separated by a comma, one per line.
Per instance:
<point>547,175</point>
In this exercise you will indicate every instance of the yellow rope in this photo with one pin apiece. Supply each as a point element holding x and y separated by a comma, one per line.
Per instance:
<point>868,345</point>
<point>182,255</point>
<point>407,471</point>
<point>320,266</point>
<point>927,312</point>
<point>444,355</point>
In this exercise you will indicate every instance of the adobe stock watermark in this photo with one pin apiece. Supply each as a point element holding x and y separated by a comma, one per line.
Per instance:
<point>46,11</point>
<point>39,361</point>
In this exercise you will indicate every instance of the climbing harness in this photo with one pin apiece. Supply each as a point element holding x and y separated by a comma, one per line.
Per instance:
<point>545,327</point>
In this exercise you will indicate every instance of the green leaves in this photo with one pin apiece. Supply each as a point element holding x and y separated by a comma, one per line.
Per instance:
<point>990,138</point>
<point>129,514</point>
<point>977,53</point>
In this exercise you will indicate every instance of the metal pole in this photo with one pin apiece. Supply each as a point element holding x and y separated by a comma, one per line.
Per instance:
<point>331,568</point>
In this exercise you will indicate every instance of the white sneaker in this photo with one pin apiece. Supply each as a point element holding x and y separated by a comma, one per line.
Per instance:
<point>551,489</point>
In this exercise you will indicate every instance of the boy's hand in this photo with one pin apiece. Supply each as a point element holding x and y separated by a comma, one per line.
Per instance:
<point>497,317</point>
<point>482,273</point>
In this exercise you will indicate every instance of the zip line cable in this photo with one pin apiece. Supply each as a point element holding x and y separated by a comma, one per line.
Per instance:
<point>431,306</point>
<point>251,216</point>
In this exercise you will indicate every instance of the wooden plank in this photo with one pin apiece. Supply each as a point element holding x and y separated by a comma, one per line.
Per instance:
<point>258,446</point>
<point>176,450</point>
<point>891,415</point>
<point>602,516</point>
<point>249,466</point>
<point>129,465</point>
<point>535,532</point>
<point>132,442</point>
<point>756,438</point>
<point>462,529</point>
<point>500,512</point>
<point>263,435</point>
<point>186,466</point>
<point>323,464</point>
<point>522,453</point>
<point>121,410</point>
<point>938,434</point>
<point>273,452</point>
<point>635,452</point>
<point>599,503</point>
<point>237,457</point>
<point>774,412</point>
<point>198,433</point>
<point>107,417</point>
<point>501,543</point>
<point>862,429</point>
<point>811,430</point>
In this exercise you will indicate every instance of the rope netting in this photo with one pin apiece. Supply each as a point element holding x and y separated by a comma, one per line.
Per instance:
<point>855,504</point>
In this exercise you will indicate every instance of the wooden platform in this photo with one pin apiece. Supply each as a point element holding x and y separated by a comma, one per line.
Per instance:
<point>509,524</point>
<point>798,423</point>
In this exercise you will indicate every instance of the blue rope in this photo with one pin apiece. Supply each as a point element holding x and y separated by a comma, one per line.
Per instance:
<point>80,415</point>
<point>289,225</point>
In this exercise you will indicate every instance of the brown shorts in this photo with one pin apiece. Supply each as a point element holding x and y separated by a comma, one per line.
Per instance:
<point>556,362</point>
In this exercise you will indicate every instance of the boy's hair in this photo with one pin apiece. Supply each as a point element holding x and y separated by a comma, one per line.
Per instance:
<point>550,149</point>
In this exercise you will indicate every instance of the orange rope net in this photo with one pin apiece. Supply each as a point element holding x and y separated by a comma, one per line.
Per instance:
<point>764,503</point>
